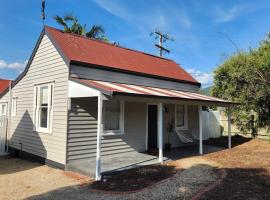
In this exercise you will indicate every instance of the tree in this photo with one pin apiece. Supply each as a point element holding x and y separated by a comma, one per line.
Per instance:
<point>245,78</point>
<point>71,24</point>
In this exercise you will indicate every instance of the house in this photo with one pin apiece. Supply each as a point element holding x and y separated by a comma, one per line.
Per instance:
<point>81,99</point>
<point>4,84</point>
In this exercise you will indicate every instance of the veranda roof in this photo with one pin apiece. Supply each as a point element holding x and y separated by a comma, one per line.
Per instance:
<point>111,88</point>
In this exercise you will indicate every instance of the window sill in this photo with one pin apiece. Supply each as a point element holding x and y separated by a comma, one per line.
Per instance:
<point>111,133</point>
<point>43,132</point>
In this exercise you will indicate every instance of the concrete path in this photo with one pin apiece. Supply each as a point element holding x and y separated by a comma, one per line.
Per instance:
<point>134,159</point>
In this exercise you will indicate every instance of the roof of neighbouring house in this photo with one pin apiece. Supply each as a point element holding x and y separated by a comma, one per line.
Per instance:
<point>3,85</point>
<point>80,49</point>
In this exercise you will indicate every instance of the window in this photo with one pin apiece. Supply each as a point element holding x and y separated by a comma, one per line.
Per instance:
<point>181,116</point>
<point>113,116</point>
<point>43,108</point>
<point>3,109</point>
<point>14,106</point>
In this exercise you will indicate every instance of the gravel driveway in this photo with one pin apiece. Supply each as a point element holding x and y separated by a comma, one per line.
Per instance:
<point>21,179</point>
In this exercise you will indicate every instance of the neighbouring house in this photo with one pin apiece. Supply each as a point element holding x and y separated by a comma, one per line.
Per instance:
<point>85,100</point>
<point>4,84</point>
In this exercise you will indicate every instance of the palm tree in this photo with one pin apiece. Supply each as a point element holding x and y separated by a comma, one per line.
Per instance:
<point>71,24</point>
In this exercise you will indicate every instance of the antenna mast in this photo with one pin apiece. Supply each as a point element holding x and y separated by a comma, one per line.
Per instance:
<point>162,38</point>
<point>43,12</point>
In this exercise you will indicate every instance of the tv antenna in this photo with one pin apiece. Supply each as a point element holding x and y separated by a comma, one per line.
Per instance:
<point>43,12</point>
<point>162,38</point>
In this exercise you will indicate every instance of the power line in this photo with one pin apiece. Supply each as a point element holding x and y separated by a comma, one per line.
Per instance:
<point>230,40</point>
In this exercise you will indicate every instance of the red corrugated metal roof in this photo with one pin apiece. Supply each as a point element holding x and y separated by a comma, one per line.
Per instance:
<point>3,85</point>
<point>116,88</point>
<point>81,49</point>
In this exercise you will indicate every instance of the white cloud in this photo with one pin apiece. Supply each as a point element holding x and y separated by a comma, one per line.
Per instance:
<point>206,79</point>
<point>12,65</point>
<point>228,15</point>
<point>157,17</point>
<point>113,7</point>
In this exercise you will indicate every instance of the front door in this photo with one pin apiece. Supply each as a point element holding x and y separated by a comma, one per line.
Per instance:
<point>152,127</point>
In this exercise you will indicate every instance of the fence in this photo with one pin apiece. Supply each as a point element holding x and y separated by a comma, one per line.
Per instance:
<point>3,134</point>
<point>259,132</point>
<point>211,124</point>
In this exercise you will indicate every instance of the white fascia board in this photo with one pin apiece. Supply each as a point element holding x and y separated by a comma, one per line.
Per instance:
<point>79,90</point>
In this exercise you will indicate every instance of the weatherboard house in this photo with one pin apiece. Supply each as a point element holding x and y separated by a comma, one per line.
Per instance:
<point>83,101</point>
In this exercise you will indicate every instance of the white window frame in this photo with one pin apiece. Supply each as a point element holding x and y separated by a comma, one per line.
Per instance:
<point>36,108</point>
<point>14,104</point>
<point>121,129</point>
<point>6,108</point>
<point>185,127</point>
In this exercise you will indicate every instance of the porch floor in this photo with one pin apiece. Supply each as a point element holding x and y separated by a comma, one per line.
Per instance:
<point>134,159</point>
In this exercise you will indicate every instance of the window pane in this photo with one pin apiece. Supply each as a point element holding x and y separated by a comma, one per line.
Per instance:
<point>180,115</point>
<point>44,96</point>
<point>112,115</point>
<point>43,117</point>
<point>4,109</point>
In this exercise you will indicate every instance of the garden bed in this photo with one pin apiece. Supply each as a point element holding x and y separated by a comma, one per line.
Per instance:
<point>134,179</point>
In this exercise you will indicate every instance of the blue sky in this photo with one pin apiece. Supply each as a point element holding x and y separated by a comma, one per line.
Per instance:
<point>201,28</point>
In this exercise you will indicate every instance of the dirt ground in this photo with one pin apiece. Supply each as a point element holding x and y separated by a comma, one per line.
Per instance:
<point>247,166</point>
<point>248,169</point>
<point>20,179</point>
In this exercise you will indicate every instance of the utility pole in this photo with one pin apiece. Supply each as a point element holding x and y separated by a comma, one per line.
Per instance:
<point>162,38</point>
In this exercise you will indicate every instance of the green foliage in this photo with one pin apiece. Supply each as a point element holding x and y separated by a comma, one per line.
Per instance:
<point>71,24</point>
<point>245,78</point>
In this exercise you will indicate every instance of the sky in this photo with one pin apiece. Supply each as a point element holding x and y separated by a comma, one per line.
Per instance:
<point>205,32</point>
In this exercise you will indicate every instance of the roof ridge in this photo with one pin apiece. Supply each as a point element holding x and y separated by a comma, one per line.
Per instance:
<point>1,79</point>
<point>107,43</point>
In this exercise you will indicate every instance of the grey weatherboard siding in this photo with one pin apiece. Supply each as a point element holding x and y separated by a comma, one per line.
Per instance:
<point>120,77</point>
<point>82,130</point>
<point>47,66</point>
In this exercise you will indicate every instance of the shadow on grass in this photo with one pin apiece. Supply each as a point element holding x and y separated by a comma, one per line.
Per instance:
<point>223,141</point>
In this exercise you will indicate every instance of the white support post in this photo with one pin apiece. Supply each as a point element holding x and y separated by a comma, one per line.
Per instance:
<point>99,129</point>
<point>229,129</point>
<point>200,131</point>
<point>160,132</point>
